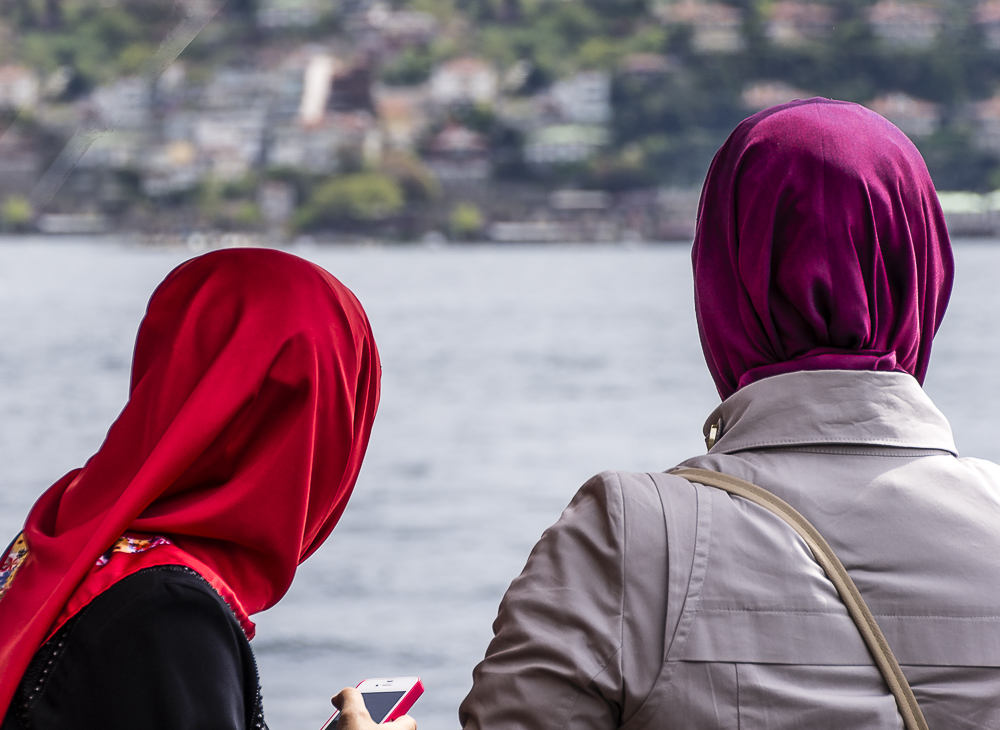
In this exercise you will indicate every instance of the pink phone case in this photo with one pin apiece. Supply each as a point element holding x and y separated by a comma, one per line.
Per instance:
<point>401,709</point>
<point>407,702</point>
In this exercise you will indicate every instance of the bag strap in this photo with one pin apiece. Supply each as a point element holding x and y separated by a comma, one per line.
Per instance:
<point>913,718</point>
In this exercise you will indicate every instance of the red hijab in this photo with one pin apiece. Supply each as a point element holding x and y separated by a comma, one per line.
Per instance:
<point>254,386</point>
<point>820,245</point>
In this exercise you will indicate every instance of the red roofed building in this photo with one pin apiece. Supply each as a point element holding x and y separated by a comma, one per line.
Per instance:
<point>457,153</point>
<point>402,114</point>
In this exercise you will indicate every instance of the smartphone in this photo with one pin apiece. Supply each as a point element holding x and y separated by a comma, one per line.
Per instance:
<point>386,698</point>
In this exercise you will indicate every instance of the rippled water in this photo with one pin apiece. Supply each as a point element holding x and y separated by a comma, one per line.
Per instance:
<point>511,374</point>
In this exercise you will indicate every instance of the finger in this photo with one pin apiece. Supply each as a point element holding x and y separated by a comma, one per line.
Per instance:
<point>349,701</point>
<point>404,722</point>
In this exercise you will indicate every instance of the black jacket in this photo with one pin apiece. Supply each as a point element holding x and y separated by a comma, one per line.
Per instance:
<point>159,650</point>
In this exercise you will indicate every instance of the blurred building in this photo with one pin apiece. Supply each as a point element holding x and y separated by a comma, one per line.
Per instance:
<point>352,85</point>
<point>464,81</point>
<point>647,64</point>
<point>170,168</point>
<point>457,154</point>
<point>402,114</point>
<point>119,149</point>
<point>317,84</point>
<point>914,117</point>
<point>770,93</point>
<point>288,13</point>
<point>361,139</point>
<point>231,143</point>
<point>564,143</point>
<point>524,113</point>
<point>677,213</point>
<point>987,17</point>
<point>986,116</point>
<point>792,23</point>
<point>579,200</point>
<point>123,103</point>
<point>584,98</point>
<point>21,160</point>
<point>400,27</point>
<point>314,148</point>
<point>971,214</point>
<point>277,203</point>
<point>19,87</point>
<point>531,232</point>
<point>908,24</point>
<point>716,28</point>
<point>238,88</point>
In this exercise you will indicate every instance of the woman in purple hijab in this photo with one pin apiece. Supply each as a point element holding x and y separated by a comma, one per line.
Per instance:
<point>822,271</point>
<point>820,246</point>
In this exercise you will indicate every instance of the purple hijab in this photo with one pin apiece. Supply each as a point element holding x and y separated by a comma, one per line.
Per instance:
<point>820,245</point>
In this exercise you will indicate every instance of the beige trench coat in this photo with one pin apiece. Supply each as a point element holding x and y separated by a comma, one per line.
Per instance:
<point>655,603</point>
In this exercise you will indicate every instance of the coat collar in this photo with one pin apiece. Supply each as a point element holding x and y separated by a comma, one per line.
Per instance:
<point>830,407</point>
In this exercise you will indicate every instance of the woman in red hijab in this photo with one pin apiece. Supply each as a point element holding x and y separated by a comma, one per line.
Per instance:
<point>822,269</point>
<point>126,601</point>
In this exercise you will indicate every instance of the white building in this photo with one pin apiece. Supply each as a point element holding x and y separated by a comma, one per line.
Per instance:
<point>402,26</point>
<point>914,25</point>
<point>238,88</point>
<point>717,28</point>
<point>317,84</point>
<point>914,117</point>
<point>19,87</point>
<point>230,143</point>
<point>312,149</point>
<point>464,81</point>
<point>584,98</point>
<point>124,103</point>
<point>564,143</point>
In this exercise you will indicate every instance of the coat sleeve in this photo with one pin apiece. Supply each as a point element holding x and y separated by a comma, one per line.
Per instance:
<point>556,657</point>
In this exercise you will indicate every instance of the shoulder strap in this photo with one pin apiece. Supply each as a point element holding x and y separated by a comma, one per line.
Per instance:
<point>913,718</point>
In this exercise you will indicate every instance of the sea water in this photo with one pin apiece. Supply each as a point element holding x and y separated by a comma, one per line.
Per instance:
<point>510,375</point>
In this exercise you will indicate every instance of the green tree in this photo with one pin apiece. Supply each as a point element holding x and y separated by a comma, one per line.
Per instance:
<point>412,66</point>
<point>465,221</point>
<point>247,215</point>
<point>364,197</point>
<point>15,214</point>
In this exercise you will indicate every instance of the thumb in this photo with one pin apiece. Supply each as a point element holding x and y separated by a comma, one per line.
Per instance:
<point>350,702</point>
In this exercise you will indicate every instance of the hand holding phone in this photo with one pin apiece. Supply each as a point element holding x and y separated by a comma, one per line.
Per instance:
<point>385,699</point>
